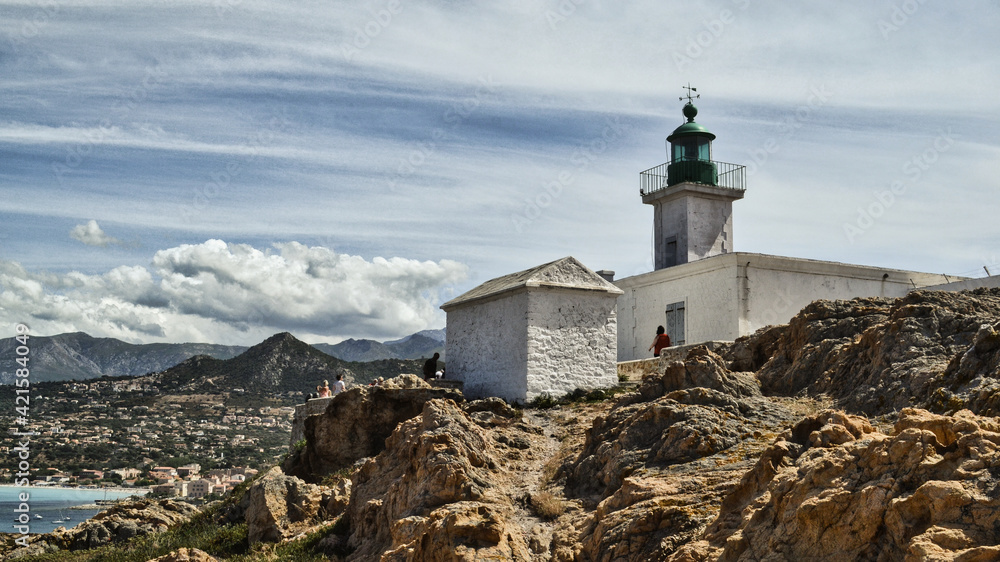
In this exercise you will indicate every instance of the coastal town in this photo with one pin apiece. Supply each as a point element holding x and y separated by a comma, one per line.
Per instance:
<point>126,432</point>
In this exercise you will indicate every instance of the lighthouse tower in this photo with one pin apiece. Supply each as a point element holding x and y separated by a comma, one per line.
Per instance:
<point>692,196</point>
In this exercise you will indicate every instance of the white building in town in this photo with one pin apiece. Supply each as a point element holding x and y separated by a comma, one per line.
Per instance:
<point>701,290</point>
<point>549,329</point>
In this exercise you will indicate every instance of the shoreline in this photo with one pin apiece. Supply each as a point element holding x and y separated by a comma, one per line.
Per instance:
<point>63,487</point>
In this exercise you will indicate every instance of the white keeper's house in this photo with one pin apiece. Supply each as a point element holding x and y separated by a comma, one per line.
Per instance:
<point>549,329</point>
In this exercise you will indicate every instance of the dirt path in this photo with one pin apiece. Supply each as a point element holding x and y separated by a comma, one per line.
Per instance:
<point>557,433</point>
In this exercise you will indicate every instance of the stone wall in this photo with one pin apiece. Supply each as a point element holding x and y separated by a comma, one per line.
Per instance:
<point>303,411</point>
<point>634,370</point>
<point>571,341</point>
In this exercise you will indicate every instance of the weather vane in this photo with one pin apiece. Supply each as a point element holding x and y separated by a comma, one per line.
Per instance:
<point>689,96</point>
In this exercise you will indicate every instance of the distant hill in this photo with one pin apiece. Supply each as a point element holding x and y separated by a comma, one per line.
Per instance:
<point>279,364</point>
<point>358,350</point>
<point>80,356</point>
<point>422,344</point>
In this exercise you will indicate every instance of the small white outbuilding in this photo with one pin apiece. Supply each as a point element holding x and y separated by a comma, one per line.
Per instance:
<point>549,329</point>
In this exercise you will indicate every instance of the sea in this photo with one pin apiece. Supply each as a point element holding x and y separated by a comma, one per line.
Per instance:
<point>53,504</point>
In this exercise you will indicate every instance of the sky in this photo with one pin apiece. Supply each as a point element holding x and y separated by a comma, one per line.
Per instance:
<point>222,170</point>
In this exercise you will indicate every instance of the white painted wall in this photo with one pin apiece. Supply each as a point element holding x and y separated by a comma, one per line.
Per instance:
<point>487,348</point>
<point>707,287</point>
<point>732,295</point>
<point>968,284</point>
<point>777,288</point>
<point>571,341</point>
<point>710,226</point>
<point>699,216</point>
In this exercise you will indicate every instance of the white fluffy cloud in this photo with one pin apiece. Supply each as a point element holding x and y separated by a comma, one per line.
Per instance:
<point>91,234</point>
<point>234,293</point>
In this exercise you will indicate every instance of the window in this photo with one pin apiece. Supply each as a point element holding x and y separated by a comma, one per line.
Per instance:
<point>675,323</point>
<point>670,252</point>
<point>691,149</point>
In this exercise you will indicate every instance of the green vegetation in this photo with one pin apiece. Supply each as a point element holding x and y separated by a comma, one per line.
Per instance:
<point>200,532</point>
<point>229,542</point>
<point>545,400</point>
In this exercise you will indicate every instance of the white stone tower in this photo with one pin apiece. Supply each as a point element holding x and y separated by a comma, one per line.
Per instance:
<point>692,196</point>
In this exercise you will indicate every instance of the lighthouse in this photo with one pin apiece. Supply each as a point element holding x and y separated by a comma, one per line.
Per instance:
<point>692,195</point>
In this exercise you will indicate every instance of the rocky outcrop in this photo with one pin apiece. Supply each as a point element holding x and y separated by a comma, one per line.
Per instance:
<point>432,494</point>
<point>834,488</point>
<point>658,463</point>
<point>356,424</point>
<point>878,356</point>
<point>186,555</point>
<point>750,353</point>
<point>124,521</point>
<point>276,503</point>
<point>696,408</point>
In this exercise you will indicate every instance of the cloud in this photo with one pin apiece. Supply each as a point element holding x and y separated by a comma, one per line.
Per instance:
<point>234,293</point>
<point>92,235</point>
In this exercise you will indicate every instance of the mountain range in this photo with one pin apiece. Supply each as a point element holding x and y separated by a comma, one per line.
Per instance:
<point>419,345</point>
<point>79,356</point>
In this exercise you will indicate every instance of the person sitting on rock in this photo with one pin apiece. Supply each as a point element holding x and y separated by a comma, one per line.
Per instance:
<point>324,389</point>
<point>430,366</point>
<point>339,386</point>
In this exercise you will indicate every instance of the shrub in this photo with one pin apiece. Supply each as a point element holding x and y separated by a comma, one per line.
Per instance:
<point>544,401</point>
<point>547,505</point>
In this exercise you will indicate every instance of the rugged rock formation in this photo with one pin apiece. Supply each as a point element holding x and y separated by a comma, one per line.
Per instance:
<point>834,488</point>
<point>276,503</point>
<point>357,423</point>
<point>878,356</point>
<point>695,409</point>
<point>662,458</point>
<point>432,495</point>
<point>122,522</point>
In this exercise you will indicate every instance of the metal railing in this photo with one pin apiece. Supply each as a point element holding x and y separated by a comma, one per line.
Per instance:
<point>728,176</point>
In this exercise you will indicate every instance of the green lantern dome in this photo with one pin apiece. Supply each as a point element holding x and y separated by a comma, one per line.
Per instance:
<point>690,152</point>
<point>690,128</point>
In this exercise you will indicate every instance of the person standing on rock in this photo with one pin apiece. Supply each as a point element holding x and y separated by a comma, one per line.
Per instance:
<point>324,390</point>
<point>339,386</point>
<point>661,341</point>
<point>431,366</point>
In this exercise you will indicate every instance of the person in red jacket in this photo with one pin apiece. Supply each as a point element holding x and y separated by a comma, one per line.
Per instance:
<point>660,341</point>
